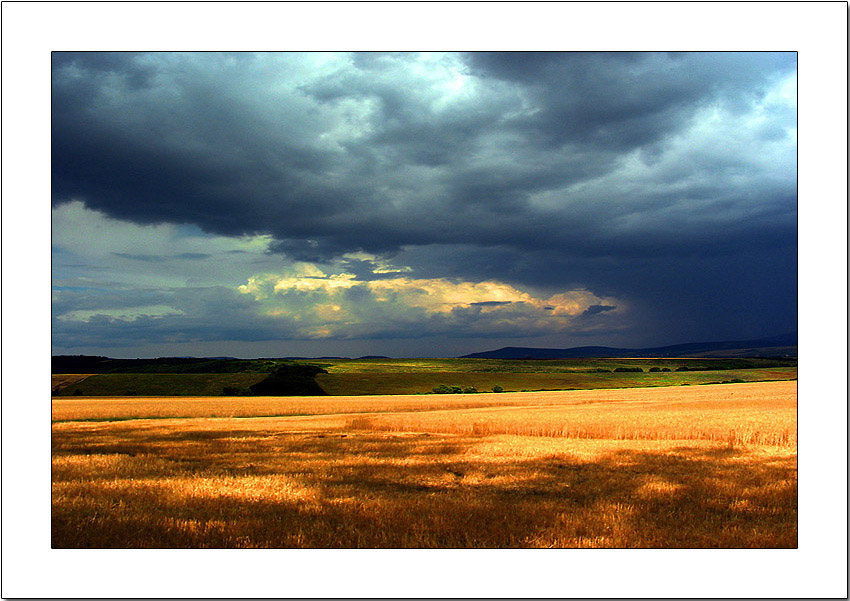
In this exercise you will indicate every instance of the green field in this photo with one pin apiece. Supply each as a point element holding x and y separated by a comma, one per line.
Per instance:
<point>422,382</point>
<point>416,376</point>
<point>420,376</point>
<point>340,366</point>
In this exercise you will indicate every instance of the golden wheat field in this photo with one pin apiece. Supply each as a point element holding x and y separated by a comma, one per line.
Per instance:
<point>693,466</point>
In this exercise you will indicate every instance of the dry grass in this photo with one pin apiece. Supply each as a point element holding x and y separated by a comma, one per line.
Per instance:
<point>334,480</point>
<point>758,414</point>
<point>99,409</point>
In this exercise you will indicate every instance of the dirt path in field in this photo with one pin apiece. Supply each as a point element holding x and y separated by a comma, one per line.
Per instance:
<point>61,381</point>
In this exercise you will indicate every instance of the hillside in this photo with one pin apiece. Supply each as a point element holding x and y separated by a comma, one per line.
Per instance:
<point>776,346</point>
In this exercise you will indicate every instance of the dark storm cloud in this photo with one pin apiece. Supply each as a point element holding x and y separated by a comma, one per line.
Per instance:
<point>595,309</point>
<point>625,99</point>
<point>603,170</point>
<point>749,291</point>
<point>194,145</point>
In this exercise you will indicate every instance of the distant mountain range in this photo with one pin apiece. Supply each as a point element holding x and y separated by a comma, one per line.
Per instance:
<point>303,358</point>
<point>784,345</point>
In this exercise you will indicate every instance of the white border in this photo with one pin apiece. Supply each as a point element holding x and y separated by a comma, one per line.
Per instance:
<point>817,30</point>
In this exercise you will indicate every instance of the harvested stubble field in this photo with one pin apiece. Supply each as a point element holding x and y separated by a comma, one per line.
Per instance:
<point>707,466</point>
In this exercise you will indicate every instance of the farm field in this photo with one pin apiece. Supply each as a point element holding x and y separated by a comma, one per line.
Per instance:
<point>65,381</point>
<point>155,384</point>
<point>700,466</point>
<point>420,376</point>
<point>338,366</point>
<point>372,383</point>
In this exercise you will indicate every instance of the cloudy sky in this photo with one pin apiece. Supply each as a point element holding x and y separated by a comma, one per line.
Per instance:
<point>420,204</point>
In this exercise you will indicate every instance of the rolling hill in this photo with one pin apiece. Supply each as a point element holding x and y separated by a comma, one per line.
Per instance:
<point>777,346</point>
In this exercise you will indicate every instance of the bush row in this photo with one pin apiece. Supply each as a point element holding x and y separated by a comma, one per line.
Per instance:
<point>602,370</point>
<point>444,389</point>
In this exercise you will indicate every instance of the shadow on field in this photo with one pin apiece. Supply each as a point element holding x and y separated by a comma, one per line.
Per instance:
<point>138,487</point>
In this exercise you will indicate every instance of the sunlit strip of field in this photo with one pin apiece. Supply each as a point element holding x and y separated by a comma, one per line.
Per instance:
<point>88,409</point>
<point>769,419</point>
<point>109,409</point>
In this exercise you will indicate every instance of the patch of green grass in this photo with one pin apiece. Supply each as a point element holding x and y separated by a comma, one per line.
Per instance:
<point>336,383</point>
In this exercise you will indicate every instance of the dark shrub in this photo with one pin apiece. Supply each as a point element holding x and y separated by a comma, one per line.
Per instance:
<point>294,379</point>
<point>682,368</point>
<point>469,390</point>
<point>628,370</point>
<point>235,391</point>
<point>665,369</point>
<point>654,369</point>
<point>498,388</point>
<point>442,389</point>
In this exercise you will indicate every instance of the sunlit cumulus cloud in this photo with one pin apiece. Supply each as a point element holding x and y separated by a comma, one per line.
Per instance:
<point>342,306</point>
<point>307,304</point>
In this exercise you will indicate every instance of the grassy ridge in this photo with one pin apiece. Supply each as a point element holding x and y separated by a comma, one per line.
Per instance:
<point>87,364</point>
<point>159,384</point>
